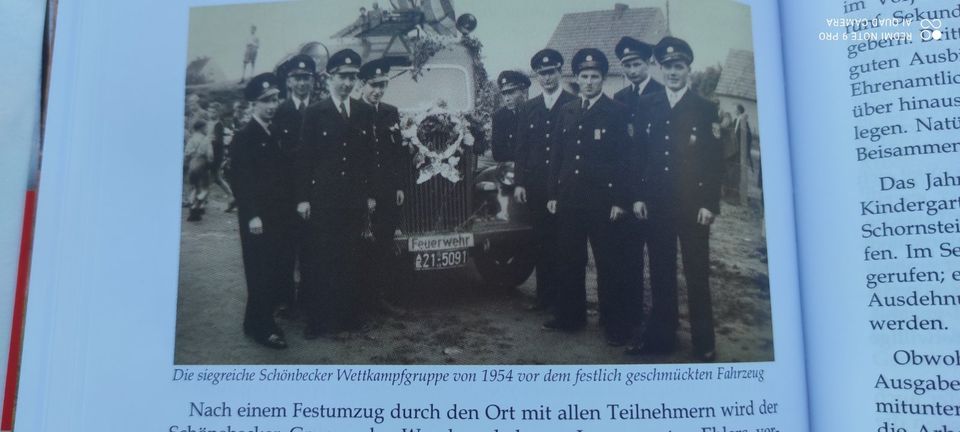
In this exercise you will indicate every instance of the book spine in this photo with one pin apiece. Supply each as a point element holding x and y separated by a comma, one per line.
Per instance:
<point>19,306</point>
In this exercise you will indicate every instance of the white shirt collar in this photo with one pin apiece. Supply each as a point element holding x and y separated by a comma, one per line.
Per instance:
<point>336,102</point>
<point>592,101</point>
<point>550,99</point>
<point>297,102</point>
<point>263,124</point>
<point>642,86</point>
<point>674,96</point>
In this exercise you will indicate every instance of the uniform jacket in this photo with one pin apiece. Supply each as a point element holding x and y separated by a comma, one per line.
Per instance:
<point>390,157</point>
<point>589,162</point>
<point>683,161</point>
<point>631,99</point>
<point>287,122</point>
<point>335,165</point>
<point>260,175</point>
<point>535,139</point>
<point>504,134</point>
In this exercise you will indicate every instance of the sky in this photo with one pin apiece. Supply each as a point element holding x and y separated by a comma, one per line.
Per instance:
<point>510,30</point>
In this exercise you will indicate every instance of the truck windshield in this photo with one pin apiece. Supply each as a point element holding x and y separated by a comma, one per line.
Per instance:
<point>449,83</point>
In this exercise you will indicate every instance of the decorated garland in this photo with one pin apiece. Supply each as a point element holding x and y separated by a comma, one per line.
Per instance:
<point>437,135</point>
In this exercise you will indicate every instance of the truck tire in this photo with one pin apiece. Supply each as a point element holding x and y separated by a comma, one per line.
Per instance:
<point>504,270</point>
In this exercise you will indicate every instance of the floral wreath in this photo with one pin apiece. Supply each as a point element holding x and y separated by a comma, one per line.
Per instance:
<point>446,132</point>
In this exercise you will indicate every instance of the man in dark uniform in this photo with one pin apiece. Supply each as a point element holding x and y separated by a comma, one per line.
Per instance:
<point>298,72</point>
<point>678,189</point>
<point>392,162</point>
<point>635,58</point>
<point>587,192</point>
<point>538,117</point>
<point>263,201</point>
<point>513,88</point>
<point>334,194</point>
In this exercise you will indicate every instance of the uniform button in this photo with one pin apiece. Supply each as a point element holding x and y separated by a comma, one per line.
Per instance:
<point>286,131</point>
<point>548,121</point>
<point>510,136</point>
<point>666,153</point>
<point>343,173</point>
<point>324,133</point>
<point>378,165</point>
<point>580,127</point>
<point>700,184</point>
<point>313,182</point>
<point>344,159</point>
<point>576,171</point>
<point>609,185</point>
<point>578,157</point>
<point>578,141</point>
<point>666,168</point>
<point>344,144</point>
<point>548,135</point>
<point>666,137</point>
<point>548,148</point>
<point>263,144</point>
<point>668,121</point>
<point>547,161</point>
<point>531,125</point>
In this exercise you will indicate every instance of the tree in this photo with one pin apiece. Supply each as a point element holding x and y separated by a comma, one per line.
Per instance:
<point>705,82</point>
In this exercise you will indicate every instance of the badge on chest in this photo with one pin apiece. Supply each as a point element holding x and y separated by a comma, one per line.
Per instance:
<point>597,134</point>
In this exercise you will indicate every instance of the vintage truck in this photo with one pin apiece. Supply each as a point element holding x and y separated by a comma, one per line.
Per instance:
<point>458,201</point>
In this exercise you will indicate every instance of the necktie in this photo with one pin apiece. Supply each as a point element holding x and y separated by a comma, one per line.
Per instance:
<point>343,111</point>
<point>586,104</point>
<point>636,89</point>
<point>301,107</point>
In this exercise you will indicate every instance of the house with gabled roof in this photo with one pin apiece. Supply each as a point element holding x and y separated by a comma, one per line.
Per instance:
<point>738,84</point>
<point>602,29</point>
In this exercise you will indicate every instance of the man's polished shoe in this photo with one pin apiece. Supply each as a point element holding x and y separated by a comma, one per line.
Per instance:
<point>312,332</point>
<point>645,347</point>
<point>558,325</point>
<point>273,340</point>
<point>616,340</point>
<point>707,357</point>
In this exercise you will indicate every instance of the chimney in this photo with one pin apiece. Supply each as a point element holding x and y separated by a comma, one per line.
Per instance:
<point>620,9</point>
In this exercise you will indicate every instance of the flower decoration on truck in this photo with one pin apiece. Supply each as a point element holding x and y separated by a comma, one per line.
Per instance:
<point>438,139</point>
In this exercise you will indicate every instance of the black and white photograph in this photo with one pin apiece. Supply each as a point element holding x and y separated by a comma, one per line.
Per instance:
<point>432,182</point>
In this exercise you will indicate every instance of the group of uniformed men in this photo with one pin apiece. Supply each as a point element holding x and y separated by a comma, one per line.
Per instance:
<point>639,171</point>
<point>310,177</point>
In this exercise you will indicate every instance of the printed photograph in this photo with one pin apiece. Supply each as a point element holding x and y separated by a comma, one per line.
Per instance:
<point>433,182</point>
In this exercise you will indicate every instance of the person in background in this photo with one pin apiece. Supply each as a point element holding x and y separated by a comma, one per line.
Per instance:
<point>221,133</point>
<point>263,211</point>
<point>513,89</point>
<point>250,53</point>
<point>198,155</point>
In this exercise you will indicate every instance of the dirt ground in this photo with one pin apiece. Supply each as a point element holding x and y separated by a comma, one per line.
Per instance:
<point>452,317</point>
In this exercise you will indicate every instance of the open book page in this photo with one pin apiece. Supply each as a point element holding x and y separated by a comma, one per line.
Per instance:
<point>351,245</point>
<point>874,137</point>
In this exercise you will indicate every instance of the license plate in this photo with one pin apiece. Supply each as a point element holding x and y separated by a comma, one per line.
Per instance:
<point>439,260</point>
<point>440,242</point>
